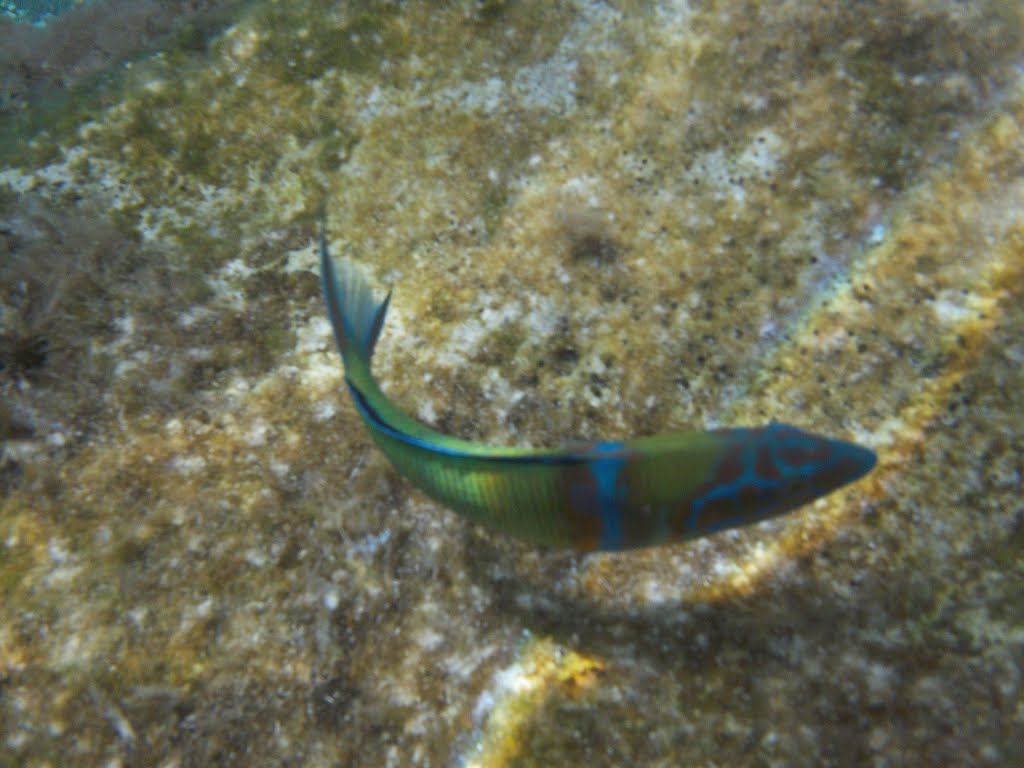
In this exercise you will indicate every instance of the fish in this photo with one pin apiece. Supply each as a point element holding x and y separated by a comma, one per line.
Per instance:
<point>586,495</point>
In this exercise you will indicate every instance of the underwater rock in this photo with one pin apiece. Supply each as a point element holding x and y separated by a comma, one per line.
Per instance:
<point>808,214</point>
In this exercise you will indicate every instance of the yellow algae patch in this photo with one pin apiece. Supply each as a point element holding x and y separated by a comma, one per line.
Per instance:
<point>154,535</point>
<point>519,693</point>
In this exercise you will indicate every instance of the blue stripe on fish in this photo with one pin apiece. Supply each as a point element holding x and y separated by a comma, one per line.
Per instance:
<point>371,416</point>
<point>728,492</point>
<point>605,470</point>
<point>769,464</point>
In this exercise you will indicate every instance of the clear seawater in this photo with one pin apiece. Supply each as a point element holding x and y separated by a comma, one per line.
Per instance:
<point>38,13</point>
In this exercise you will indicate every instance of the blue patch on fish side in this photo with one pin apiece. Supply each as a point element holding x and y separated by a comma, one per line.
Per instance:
<point>605,471</point>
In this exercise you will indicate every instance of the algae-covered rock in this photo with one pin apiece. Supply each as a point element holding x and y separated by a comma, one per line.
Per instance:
<point>598,220</point>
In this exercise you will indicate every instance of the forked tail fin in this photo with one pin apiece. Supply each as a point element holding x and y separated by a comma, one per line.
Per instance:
<point>355,316</point>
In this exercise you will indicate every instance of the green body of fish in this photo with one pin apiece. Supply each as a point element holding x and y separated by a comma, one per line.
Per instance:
<point>597,495</point>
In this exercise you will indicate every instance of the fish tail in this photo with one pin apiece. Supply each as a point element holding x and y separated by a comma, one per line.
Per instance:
<point>356,317</point>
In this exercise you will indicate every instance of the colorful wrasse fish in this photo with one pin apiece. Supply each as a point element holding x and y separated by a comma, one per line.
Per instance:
<point>595,495</point>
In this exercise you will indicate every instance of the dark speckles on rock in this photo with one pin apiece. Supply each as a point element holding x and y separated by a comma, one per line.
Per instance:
<point>333,701</point>
<point>565,357</point>
<point>564,353</point>
<point>22,354</point>
<point>594,247</point>
<point>590,240</point>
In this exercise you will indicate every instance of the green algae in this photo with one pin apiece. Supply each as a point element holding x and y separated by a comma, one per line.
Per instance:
<point>500,347</point>
<point>369,35</point>
<point>60,101</point>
